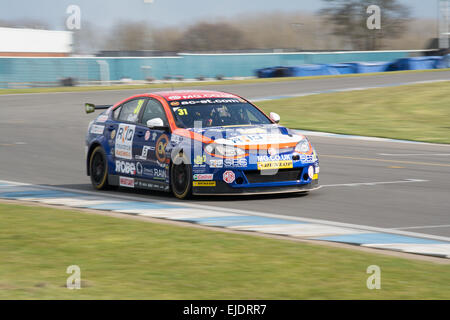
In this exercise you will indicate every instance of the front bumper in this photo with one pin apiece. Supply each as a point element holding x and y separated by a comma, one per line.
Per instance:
<point>223,188</point>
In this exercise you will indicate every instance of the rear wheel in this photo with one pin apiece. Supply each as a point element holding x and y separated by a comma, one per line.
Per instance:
<point>181,178</point>
<point>98,168</point>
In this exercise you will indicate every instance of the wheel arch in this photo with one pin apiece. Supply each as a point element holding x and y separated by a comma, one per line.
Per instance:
<point>88,156</point>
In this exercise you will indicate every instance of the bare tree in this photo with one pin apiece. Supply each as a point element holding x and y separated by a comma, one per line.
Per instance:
<point>129,36</point>
<point>24,23</point>
<point>349,17</point>
<point>167,39</point>
<point>211,37</point>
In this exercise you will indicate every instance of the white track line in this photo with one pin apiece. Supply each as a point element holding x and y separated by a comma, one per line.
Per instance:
<point>254,213</point>
<point>372,183</point>
<point>412,154</point>
<point>424,227</point>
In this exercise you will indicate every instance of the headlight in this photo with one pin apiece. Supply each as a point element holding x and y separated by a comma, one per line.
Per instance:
<point>303,146</point>
<point>223,150</point>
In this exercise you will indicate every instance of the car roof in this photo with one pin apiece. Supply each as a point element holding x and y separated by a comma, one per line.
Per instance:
<point>193,94</point>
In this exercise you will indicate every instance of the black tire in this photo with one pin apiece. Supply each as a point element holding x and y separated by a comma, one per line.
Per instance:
<point>98,168</point>
<point>181,178</point>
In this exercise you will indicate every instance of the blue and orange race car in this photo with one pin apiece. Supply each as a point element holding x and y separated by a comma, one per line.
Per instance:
<point>197,142</point>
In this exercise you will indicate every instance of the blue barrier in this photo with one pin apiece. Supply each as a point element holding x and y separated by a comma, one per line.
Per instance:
<point>341,68</point>
<point>309,70</point>
<point>366,67</point>
<point>444,62</point>
<point>417,63</point>
<point>275,72</point>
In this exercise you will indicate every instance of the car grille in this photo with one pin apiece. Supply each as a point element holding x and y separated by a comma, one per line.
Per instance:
<point>255,176</point>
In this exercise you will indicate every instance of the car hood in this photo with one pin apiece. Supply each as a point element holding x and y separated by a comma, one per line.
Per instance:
<point>251,135</point>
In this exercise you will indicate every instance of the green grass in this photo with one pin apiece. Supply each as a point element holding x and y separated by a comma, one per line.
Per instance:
<point>127,259</point>
<point>419,112</point>
<point>195,84</point>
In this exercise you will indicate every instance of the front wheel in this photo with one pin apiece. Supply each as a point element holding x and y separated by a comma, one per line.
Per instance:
<point>98,168</point>
<point>181,179</point>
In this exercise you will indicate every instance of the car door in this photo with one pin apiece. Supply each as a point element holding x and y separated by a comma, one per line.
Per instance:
<point>124,140</point>
<point>152,161</point>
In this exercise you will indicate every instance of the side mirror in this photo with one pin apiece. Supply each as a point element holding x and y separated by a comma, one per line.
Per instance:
<point>89,107</point>
<point>156,123</point>
<point>275,117</point>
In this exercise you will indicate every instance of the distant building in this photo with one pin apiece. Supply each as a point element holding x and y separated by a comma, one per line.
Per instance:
<point>15,42</point>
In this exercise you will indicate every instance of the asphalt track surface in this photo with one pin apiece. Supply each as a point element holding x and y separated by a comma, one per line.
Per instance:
<point>384,184</point>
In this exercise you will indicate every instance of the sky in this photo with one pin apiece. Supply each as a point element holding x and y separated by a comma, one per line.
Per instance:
<point>166,12</point>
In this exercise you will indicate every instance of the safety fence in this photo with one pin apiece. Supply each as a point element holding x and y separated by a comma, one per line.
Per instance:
<point>16,72</point>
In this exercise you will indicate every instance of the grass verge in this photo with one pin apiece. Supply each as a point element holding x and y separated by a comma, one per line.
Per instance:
<point>197,83</point>
<point>127,259</point>
<point>419,112</point>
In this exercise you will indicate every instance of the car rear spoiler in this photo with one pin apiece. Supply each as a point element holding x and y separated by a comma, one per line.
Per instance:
<point>90,107</point>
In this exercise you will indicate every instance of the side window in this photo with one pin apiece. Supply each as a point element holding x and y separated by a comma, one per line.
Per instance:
<point>130,110</point>
<point>117,112</point>
<point>251,117</point>
<point>154,109</point>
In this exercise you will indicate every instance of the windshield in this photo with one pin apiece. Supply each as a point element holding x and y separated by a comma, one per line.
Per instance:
<point>216,113</point>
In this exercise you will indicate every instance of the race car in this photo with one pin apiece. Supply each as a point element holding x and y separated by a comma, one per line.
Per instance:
<point>196,143</point>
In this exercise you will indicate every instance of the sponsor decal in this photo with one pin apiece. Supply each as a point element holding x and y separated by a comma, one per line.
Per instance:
<point>144,153</point>
<point>272,151</point>
<point>213,163</point>
<point>278,157</point>
<point>159,174</point>
<point>201,96</point>
<point>102,118</point>
<point>124,141</point>
<point>236,163</point>
<point>175,104</point>
<point>203,177</point>
<point>247,139</point>
<point>307,158</point>
<point>258,138</point>
<point>139,168</point>
<point>160,151</point>
<point>176,139</point>
<point>252,131</point>
<point>148,185</point>
<point>208,101</point>
<point>147,135</point>
<point>316,176</point>
<point>275,165</point>
<point>125,167</point>
<point>311,171</point>
<point>317,170</point>
<point>229,176</point>
<point>126,182</point>
<point>204,183</point>
<point>199,160</point>
<point>97,129</point>
<point>113,134</point>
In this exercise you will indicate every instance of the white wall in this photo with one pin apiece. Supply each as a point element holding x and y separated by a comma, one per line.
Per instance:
<point>32,40</point>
